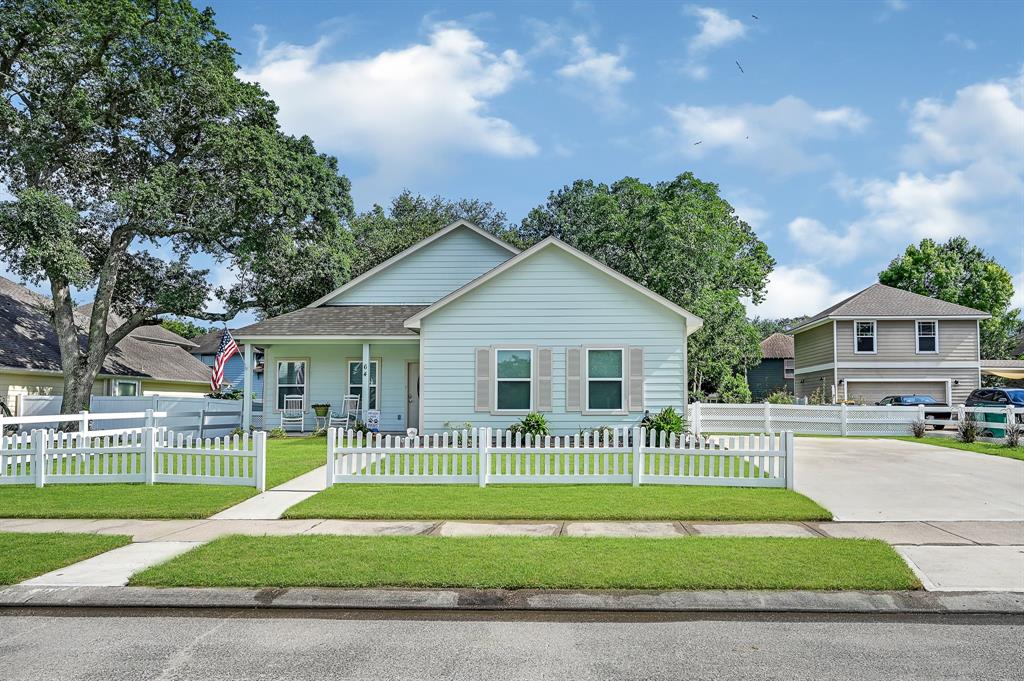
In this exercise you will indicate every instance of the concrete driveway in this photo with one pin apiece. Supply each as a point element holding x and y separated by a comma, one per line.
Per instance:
<point>880,479</point>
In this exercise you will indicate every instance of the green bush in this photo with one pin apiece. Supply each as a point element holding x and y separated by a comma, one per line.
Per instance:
<point>1014,432</point>
<point>781,397</point>
<point>734,390</point>
<point>818,397</point>
<point>533,423</point>
<point>277,433</point>
<point>668,420</point>
<point>968,430</point>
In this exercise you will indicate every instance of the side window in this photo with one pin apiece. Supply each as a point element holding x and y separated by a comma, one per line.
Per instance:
<point>513,377</point>
<point>927,337</point>
<point>789,368</point>
<point>604,379</point>
<point>291,380</point>
<point>864,337</point>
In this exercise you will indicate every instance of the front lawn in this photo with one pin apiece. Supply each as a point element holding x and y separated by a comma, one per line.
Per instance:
<point>288,458</point>
<point>536,563</point>
<point>979,447</point>
<point>23,555</point>
<point>561,502</point>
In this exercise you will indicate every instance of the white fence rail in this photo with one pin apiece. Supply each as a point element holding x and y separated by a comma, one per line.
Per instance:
<point>625,456</point>
<point>200,416</point>
<point>144,455</point>
<point>841,419</point>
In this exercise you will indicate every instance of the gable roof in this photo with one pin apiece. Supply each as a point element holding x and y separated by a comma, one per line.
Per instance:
<point>693,322</point>
<point>28,342</point>
<point>440,234</point>
<point>881,301</point>
<point>778,346</point>
<point>335,321</point>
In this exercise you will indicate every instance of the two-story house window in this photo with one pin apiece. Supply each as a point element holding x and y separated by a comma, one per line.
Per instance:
<point>864,340</point>
<point>927,337</point>
<point>788,368</point>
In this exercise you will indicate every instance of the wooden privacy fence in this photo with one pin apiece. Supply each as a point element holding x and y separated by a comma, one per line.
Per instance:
<point>144,455</point>
<point>626,456</point>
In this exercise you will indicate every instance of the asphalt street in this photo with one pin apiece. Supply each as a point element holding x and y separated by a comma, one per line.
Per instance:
<point>236,645</point>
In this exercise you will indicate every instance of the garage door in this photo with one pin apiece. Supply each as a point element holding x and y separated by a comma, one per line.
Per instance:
<point>872,391</point>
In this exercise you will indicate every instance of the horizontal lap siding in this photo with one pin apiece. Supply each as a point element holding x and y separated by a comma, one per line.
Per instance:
<point>897,341</point>
<point>806,384</point>
<point>550,300</point>
<point>430,273</point>
<point>814,346</point>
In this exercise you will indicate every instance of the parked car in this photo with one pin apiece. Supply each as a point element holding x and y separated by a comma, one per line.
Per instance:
<point>996,397</point>
<point>933,409</point>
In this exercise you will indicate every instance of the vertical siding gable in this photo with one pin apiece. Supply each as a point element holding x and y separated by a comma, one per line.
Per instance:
<point>430,273</point>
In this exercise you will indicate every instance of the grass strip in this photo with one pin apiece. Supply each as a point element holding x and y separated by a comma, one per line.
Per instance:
<point>288,458</point>
<point>118,500</point>
<point>562,502</point>
<point>980,447</point>
<point>27,555</point>
<point>537,563</point>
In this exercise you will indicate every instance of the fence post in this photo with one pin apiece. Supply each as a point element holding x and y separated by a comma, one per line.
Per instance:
<point>260,442</point>
<point>332,437</point>
<point>149,419</point>
<point>484,444</point>
<point>961,415</point>
<point>843,427</point>
<point>39,465</point>
<point>638,453</point>
<point>149,455</point>
<point>83,428</point>
<point>767,417</point>
<point>696,418</point>
<point>202,423</point>
<point>920,412</point>
<point>790,456</point>
<point>1010,420</point>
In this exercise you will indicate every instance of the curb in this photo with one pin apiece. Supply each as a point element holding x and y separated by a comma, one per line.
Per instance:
<point>848,602</point>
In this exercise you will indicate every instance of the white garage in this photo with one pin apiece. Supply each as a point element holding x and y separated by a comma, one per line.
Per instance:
<point>871,390</point>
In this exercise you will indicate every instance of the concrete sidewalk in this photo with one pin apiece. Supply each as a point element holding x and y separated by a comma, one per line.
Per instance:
<point>272,504</point>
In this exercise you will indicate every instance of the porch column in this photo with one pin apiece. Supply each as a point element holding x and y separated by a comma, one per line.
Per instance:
<point>366,381</point>
<point>247,389</point>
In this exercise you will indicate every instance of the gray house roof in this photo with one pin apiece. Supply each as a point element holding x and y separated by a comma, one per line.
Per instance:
<point>881,301</point>
<point>336,320</point>
<point>28,342</point>
<point>778,346</point>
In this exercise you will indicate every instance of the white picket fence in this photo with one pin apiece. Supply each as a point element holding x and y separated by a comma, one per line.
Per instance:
<point>833,419</point>
<point>626,456</point>
<point>144,455</point>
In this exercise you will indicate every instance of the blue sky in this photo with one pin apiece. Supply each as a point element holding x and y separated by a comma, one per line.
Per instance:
<point>853,129</point>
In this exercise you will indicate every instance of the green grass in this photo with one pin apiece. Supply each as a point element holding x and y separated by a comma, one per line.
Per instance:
<point>24,555</point>
<point>537,563</point>
<point>979,447</point>
<point>563,502</point>
<point>288,458</point>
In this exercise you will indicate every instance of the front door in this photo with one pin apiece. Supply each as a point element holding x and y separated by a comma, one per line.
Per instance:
<point>412,394</point>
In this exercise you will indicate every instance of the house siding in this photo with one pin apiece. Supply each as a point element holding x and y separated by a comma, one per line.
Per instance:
<point>327,381</point>
<point>814,346</point>
<point>897,342</point>
<point>430,273</point>
<point>554,300</point>
<point>806,384</point>
<point>234,370</point>
<point>768,377</point>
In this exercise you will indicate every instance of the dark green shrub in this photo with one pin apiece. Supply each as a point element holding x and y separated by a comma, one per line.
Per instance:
<point>668,420</point>
<point>533,423</point>
<point>968,430</point>
<point>781,397</point>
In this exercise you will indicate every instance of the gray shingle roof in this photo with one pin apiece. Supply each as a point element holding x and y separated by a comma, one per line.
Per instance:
<point>778,346</point>
<point>879,300</point>
<point>209,343</point>
<point>337,320</point>
<point>28,341</point>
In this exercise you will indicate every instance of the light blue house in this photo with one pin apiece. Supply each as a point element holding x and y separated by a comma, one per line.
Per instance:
<point>463,327</point>
<point>206,351</point>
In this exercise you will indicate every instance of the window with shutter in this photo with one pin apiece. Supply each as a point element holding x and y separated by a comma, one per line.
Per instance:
<point>543,380</point>
<point>482,401</point>
<point>572,379</point>
<point>636,378</point>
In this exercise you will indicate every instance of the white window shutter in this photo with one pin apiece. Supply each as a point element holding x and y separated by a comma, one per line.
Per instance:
<point>636,378</point>
<point>572,379</point>
<point>482,400</point>
<point>542,378</point>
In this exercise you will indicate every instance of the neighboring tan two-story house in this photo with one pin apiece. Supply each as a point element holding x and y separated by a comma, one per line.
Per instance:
<point>887,341</point>
<point>775,371</point>
<point>463,327</point>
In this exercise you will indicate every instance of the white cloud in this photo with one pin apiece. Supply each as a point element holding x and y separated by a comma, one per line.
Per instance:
<point>797,290</point>
<point>1018,291</point>
<point>970,155</point>
<point>602,74</point>
<point>716,29</point>
<point>772,136</point>
<point>405,109</point>
<point>897,5</point>
<point>959,41</point>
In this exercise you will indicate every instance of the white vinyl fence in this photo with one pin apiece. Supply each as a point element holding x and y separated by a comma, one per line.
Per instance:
<point>199,416</point>
<point>627,456</point>
<point>144,455</point>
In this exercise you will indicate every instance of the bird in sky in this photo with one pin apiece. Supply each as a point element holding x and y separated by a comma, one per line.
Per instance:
<point>696,143</point>
<point>740,67</point>
<point>756,17</point>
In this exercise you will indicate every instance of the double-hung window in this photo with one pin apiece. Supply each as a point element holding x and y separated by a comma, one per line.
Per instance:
<point>788,368</point>
<point>513,378</point>
<point>355,382</point>
<point>605,379</point>
<point>865,339</point>
<point>291,380</point>
<point>927,337</point>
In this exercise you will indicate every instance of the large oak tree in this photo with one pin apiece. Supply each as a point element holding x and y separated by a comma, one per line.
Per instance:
<point>130,146</point>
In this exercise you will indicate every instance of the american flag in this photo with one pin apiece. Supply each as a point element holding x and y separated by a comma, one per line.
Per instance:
<point>228,347</point>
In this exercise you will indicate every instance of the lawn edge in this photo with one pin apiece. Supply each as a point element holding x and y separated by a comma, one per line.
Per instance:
<point>1005,453</point>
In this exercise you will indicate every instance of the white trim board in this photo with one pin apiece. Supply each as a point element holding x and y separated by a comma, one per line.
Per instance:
<point>887,365</point>
<point>409,251</point>
<point>693,322</point>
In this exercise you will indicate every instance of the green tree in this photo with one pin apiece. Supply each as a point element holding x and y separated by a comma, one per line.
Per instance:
<point>680,239</point>
<point>380,232</point>
<point>185,328</point>
<point>125,135</point>
<point>766,327</point>
<point>734,389</point>
<point>961,273</point>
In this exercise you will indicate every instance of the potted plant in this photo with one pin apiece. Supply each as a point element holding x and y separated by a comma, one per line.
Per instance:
<point>321,410</point>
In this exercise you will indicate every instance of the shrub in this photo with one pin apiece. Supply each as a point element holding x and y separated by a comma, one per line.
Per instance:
<point>451,425</point>
<point>818,397</point>
<point>967,430</point>
<point>668,420</point>
<point>600,430</point>
<point>1014,434</point>
<point>734,390</point>
<point>226,393</point>
<point>276,433</point>
<point>918,428</point>
<point>533,423</point>
<point>780,397</point>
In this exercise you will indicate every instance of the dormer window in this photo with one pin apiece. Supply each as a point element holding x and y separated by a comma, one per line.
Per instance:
<point>927,337</point>
<point>864,337</point>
